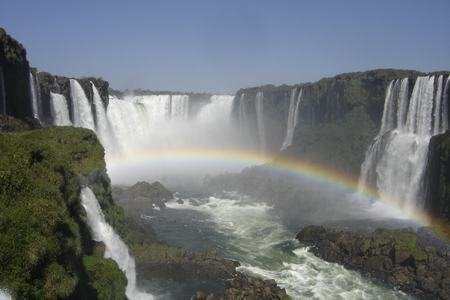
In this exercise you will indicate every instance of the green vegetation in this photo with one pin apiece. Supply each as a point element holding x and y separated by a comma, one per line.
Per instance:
<point>108,281</point>
<point>44,240</point>
<point>400,240</point>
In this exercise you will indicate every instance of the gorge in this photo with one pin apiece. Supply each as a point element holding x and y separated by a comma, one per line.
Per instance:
<point>355,151</point>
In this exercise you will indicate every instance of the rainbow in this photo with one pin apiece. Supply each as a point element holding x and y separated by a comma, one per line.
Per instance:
<point>283,162</point>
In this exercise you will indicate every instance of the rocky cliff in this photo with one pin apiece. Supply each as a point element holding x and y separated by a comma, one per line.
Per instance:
<point>47,83</point>
<point>46,249</point>
<point>14,78</point>
<point>437,176</point>
<point>337,117</point>
<point>401,258</point>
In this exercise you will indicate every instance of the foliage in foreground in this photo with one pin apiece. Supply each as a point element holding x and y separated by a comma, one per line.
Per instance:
<point>44,239</point>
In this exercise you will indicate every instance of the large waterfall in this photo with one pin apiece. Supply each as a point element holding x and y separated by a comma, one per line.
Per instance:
<point>145,122</point>
<point>103,126</point>
<point>115,248</point>
<point>260,121</point>
<point>292,117</point>
<point>396,161</point>
<point>59,110</point>
<point>34,97</point>
<point>82,111</point>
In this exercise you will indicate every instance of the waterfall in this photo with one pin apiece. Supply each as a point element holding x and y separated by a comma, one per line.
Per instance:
<point>162,122</point>
<point>260,121</point>
<point>179,106</point>
<point>82,111</point>
<point>242,113</point>
<point>103,126</point>
<point>59,110</point>
<point>396,160</point>
<point>34,97</point>
<point>4,295</point>
<point>445,116</point>
<point>218,110</point>
<point>292,118</point>
<point>115,248</point>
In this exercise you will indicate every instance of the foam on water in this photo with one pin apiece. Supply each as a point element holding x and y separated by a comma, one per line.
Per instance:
<point>265,248</point>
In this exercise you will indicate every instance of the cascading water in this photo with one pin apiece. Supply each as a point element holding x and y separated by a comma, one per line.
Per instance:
<point>34,97</point>
<point>218,110</point>
<point>179,106</point>
<point>103,126</point>
<point>115,248</point>
<point>59,110</point>
<point>260,121</point>
<point>292,118</point>
<point>82,112</point>
<point>396,161</point>
<point>4,295</point>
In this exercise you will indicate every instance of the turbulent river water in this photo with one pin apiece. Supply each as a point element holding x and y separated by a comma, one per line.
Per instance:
<point>253,234</point>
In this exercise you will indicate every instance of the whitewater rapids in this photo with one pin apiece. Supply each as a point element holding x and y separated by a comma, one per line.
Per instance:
<point>252,234</point>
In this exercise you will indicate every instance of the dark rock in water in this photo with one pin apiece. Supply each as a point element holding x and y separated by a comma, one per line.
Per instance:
<point>437,176</point>
<point>177,264</point>
<point>397,257</point>
<point>143,196</point>
<point>246,287</point>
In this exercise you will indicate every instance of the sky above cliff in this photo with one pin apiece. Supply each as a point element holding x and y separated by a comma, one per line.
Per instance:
<point>221,46</point>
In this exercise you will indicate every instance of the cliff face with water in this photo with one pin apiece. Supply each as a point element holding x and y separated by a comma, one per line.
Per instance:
<point>47,83</point>
<point>14,78</point>
<point>46,249</point>
<point>438,176</point>
<point>337,117</point>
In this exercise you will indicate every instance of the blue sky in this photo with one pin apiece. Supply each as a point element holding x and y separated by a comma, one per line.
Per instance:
<point>222,46</point>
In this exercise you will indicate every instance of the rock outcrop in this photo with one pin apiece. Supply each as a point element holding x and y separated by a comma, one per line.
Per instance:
<point>247,287</point>
<point>143,196</point>
<point>437,177</point>
<point>14,78</point>
<point>400,258</point>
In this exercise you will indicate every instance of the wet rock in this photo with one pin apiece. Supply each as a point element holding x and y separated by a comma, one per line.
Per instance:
<point>398,257</point>
<point>246,287</point>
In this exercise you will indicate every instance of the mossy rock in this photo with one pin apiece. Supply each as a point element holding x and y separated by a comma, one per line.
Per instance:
<point>106,278</point>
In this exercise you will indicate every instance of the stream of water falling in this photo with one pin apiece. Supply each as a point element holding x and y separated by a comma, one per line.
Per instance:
<point>115,248</point>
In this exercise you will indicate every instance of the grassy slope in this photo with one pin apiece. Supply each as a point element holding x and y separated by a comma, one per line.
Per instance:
<point>45,248</point>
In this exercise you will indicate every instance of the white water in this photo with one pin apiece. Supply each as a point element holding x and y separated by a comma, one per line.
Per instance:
<point>82,112</point>
<point>255,236</point>
<point>34,97</point>
<point>162,124</point>
<point>396,161</point>
<point>260,121</point>
<point>102,125</point>
<point>292,118</point>
<point>115,248</point>
<point>59,110</point>
<point>4,295</point>
<point>217,111</point>
<point>179,106</point>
